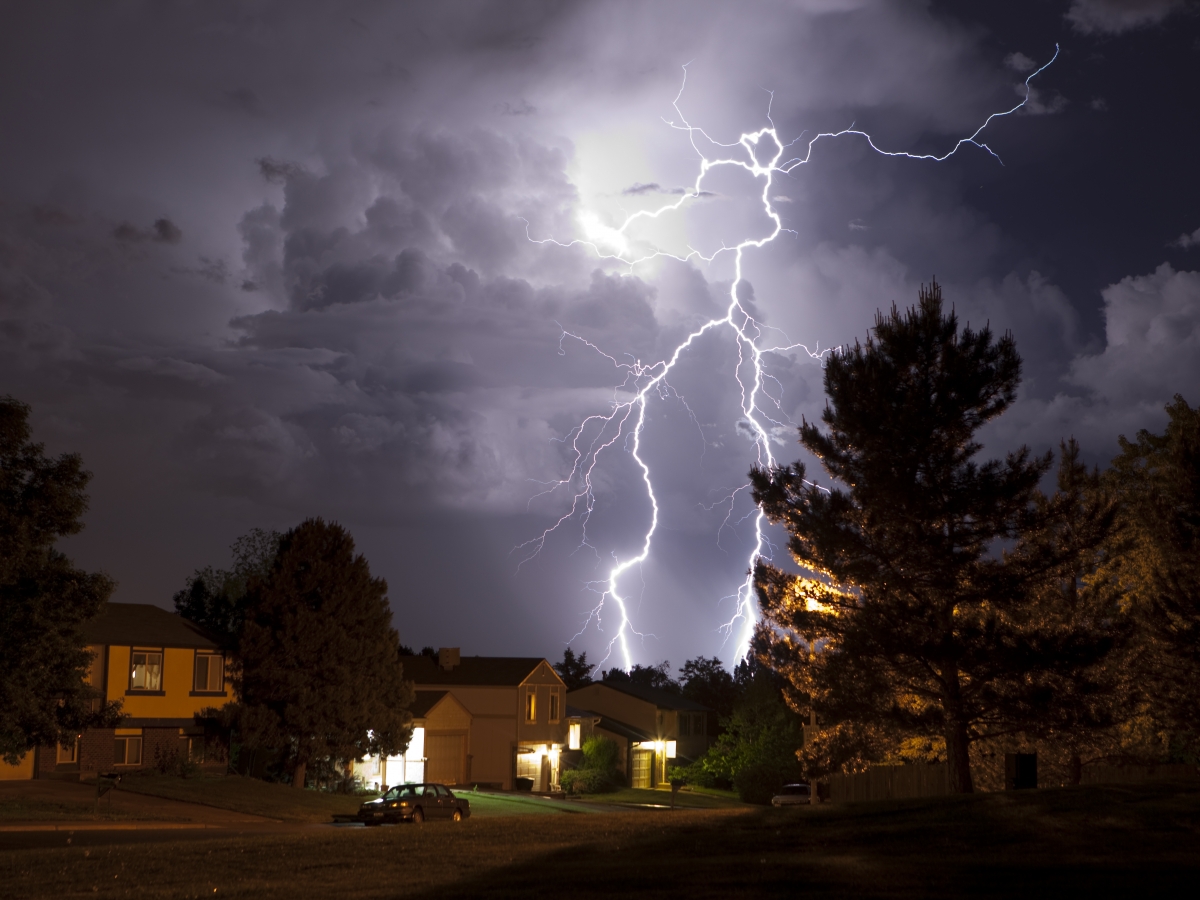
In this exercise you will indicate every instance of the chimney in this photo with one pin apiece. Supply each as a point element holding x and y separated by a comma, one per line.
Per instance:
<point>448,658</point>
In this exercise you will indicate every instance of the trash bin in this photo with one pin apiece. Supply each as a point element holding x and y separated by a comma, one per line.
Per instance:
<point>524,784</point>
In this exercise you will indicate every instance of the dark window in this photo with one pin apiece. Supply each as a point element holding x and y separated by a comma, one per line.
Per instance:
<point>210,672</point>
<point>128,751</point>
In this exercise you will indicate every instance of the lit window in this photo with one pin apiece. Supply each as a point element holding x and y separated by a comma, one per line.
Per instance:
<point>531,705</point>
<point>573,731</point>
<point>146,671</point>
<point>210,672</point>
<point>555,700</point>
<point>128,751</point>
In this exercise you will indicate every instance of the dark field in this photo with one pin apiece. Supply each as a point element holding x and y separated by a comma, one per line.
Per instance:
<point>1098,841</point>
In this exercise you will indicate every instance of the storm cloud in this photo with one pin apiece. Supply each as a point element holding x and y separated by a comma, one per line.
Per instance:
<point>264,262</point>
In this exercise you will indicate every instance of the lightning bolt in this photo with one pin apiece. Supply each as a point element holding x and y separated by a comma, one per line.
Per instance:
<point>626,418</point>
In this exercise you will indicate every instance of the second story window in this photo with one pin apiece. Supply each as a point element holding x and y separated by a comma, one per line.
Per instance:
<point>555,705</point>
<point>210,672</point>
<point>531,705</point>
<point>145,670</point>
<point>685,725</point>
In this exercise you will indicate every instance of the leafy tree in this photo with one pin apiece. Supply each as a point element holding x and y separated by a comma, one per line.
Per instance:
<point>911,621</point>
<point>213,597</point>
<point>44,599</point>
<point>575,671</point>
<point>657,677</point>
<point>707,681</point>
<point>1157,560</point>
<point>319,662</point>
<point>756,751</point>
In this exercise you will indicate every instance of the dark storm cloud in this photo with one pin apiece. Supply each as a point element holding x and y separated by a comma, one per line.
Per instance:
<point>291,274</point>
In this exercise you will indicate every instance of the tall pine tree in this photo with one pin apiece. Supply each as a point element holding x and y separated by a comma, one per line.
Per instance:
<point>911,619</point>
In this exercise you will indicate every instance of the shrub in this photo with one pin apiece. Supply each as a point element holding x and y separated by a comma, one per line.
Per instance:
<point>759,782</point>
<point>586,781</point>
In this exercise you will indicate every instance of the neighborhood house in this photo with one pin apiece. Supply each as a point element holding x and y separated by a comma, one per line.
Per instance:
<point>164,670</point>
<point>495,721</point>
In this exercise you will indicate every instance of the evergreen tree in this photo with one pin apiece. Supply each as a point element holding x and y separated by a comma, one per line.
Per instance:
<point>575,671</point>
<point>1156,562</point>
<point>44,599</point>
<point>319,662</point>
<point>910,621</point>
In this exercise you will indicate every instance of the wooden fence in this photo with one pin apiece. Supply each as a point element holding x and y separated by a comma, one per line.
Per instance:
<point>1139,774</point>
<point>890,783</point>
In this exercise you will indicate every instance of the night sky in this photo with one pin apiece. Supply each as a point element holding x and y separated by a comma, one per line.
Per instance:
<point>265,261</point>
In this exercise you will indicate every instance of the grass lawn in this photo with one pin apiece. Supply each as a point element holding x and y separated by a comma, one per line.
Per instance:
<point>1091,841</point>
<point>21,809</point>
<point>486,804</point>
<point>688,798</point>
<point>246,795</point>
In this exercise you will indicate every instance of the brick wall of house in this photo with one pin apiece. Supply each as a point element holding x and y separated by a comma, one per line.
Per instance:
<point>161,743</point>
<point>96,751</point>
<point>46,762</point>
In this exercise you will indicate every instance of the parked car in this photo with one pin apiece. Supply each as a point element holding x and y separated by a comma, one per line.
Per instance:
<point>792,795</point>
<point>415,803</point>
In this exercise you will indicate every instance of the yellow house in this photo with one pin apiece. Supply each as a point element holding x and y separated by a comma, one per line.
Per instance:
<point>164,670</point>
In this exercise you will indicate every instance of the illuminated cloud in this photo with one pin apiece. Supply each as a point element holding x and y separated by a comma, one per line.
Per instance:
<point>1118,16</point>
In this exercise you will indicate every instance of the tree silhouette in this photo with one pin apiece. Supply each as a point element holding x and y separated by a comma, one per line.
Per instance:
<point>909,619</point>
<point>575,671</point>
<point>319,662</point>
<point>44,599</point>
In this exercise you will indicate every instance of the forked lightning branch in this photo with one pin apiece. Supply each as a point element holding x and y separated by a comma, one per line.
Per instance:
<point>762,154</point>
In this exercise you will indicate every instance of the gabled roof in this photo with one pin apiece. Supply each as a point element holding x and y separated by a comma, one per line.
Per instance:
<point>424,702</point>
<point>145,625</point>
<point>660,698</point>
<point>487,671</point>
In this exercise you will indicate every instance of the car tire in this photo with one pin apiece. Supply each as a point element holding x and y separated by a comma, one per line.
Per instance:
<point>458,816</point>
<point>418,816</point>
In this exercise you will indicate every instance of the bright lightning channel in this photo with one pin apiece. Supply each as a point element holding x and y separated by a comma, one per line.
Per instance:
<point>627,417</point>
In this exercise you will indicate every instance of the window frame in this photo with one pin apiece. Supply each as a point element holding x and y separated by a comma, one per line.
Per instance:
<point>555,712</point>
<point>207,689</point>
<point>146,651</point>
<point>530,706</point>
<point>574,735</point>
<point>123,742</point>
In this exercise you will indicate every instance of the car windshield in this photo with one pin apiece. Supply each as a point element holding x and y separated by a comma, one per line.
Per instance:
<point>402,792</point>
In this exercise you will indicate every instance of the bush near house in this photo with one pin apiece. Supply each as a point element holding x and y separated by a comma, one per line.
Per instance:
<point>598,771</point>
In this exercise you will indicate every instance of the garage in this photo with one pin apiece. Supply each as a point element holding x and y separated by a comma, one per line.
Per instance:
<point>446,757</point>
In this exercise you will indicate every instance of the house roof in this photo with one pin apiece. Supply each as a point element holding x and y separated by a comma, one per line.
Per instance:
<point>624,729</point>
<point>489,671</point>
<point>145,625</point>
<point>424,702</point>
<point>660,698</point>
